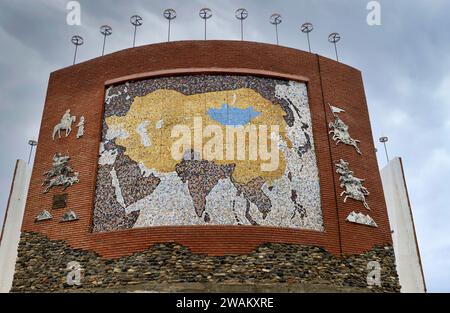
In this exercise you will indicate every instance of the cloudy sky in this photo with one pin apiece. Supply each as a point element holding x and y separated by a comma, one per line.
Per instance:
<point>405,63</point>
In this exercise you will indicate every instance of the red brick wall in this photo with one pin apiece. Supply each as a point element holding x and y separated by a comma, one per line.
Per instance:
<point>81,88</point>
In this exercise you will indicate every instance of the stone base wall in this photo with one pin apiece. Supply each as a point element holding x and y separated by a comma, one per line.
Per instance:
<point>42,267</point>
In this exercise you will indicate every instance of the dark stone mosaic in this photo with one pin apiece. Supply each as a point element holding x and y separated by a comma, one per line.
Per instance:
<point>42,267</point>
<point>134,187</point>
<point>191,85</point>
<point>109,215</point>
<point>252,193</point>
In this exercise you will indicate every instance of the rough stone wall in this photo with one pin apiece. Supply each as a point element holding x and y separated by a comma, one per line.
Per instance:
<point>42,267</point>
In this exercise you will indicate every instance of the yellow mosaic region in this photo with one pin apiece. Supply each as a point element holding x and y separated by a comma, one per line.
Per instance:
<point>151,119</point>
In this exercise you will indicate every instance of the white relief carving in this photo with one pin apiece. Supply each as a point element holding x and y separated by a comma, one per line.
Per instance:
<point>44,216</point>
<point>117,131</point>
<point>69,217</point>
<point>80,126</point>
<point>340,130</point>
<point>141,129</point>
<point>60,174</point>
<point>336,110</point>
<point>354,188</point>
<point>360,218</point>
<point>117,189</point>
<point>66,124</point>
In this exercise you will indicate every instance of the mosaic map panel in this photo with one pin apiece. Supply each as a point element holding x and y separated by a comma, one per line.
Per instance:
<point>141,184</point>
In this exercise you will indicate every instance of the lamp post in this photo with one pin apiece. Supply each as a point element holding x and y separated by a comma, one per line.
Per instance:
<point>205,14</point>
<point>241,15</point>
<point>32,143</point>
<point>77,41</point>
<point>136,21</point>
<point>334,38</point>
<point>106,31</point>
<point>276,19</point>
<point>384,140</point>
<point>306,28</point>
<point>170,14</point>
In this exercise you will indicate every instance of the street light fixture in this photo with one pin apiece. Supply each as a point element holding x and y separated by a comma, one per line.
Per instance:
<point>32,143</point>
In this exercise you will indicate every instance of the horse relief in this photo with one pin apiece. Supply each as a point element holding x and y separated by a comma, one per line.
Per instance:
<point>65,124</point>
<point>61,174</point>
<point>353,186</point>
<point>340,130</point>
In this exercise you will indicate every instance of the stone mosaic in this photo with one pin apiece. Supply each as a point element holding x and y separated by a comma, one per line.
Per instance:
<point>141,184</point>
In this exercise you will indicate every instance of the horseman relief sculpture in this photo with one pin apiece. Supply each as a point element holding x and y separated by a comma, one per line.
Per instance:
<point>61,174</point>
<point>353,186</point>
<point>65,124</point>
<point>340,130</point>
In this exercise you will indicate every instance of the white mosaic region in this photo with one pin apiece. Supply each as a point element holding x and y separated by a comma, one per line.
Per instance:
<point>295,200</point>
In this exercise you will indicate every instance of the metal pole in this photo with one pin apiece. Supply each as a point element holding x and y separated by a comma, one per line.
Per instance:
<point>136,21</point>
<point>335,49</point>
<point>75,56</point>
<point>276,30</point>
<point>168,36</point>
<point>106,31</point>
<point>334,38</point>
<point>384,140</point>
<point>276,19</point>
<point>205,14</point>
<point>104,43</point>
<point>29,157</point>
<point>241,14</point>
<point>32,143</point>
<point>309,43</point>
<point>306,28</point>
<point>385,150</point>
<point>169,14</point>
<point>77,41</point>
